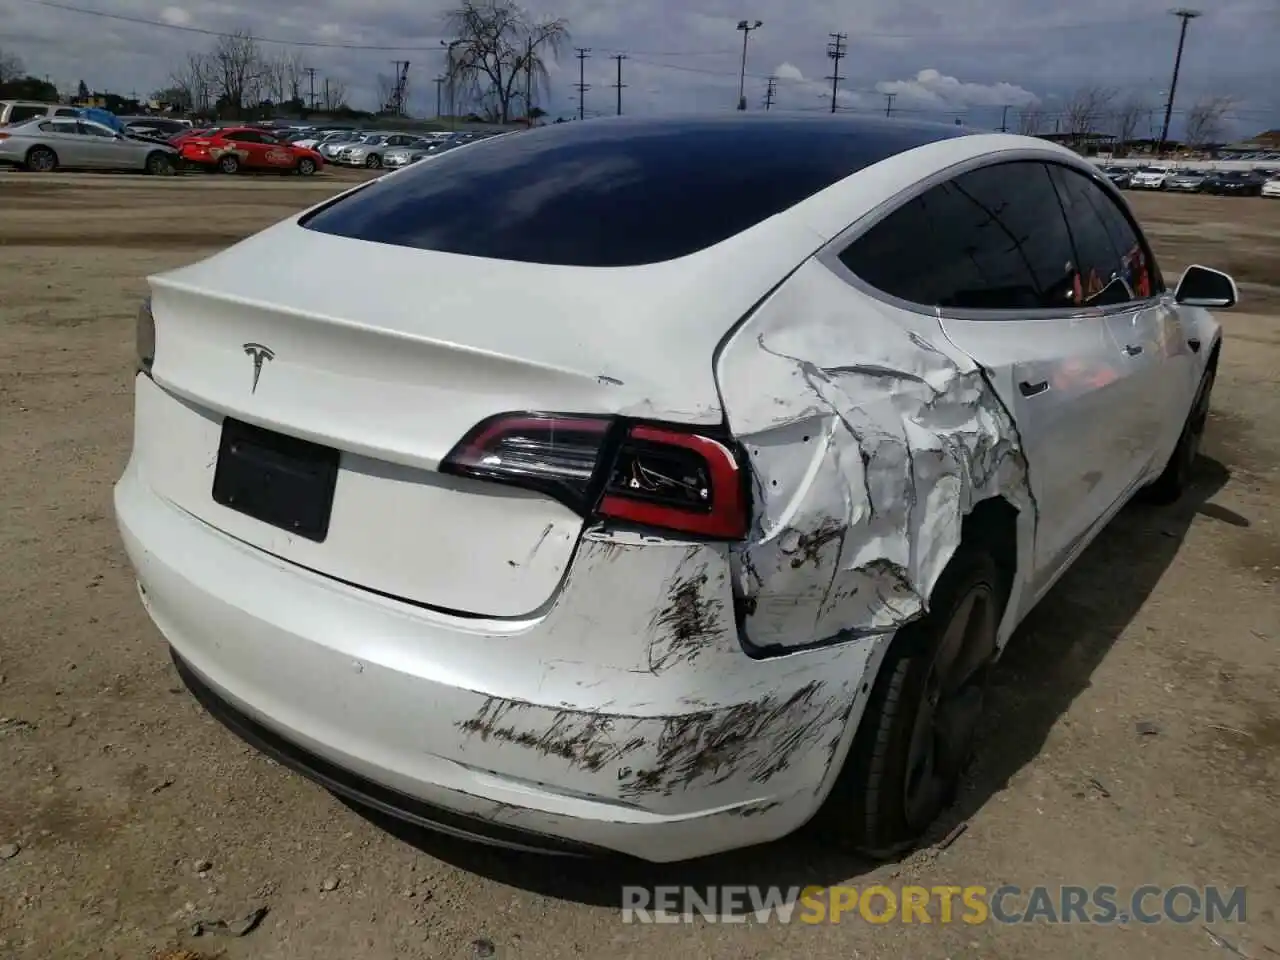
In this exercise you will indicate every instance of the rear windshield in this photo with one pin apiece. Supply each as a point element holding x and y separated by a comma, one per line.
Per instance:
<point>616,192</point>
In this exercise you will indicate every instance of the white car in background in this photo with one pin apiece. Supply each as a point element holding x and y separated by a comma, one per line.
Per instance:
<point>1271,188</point>
<point>1151,178</point>
<point>697,500</point>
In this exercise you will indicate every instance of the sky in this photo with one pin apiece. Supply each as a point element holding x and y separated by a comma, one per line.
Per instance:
<point>965,59</point>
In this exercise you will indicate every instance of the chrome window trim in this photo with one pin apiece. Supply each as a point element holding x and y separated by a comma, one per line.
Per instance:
<point>829,255</point>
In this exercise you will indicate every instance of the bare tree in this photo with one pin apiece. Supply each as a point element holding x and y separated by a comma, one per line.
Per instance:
<point>1031,121</point>
<point>334,95</point>
<point>386,90</point>
<point>273,83</point>
<point>1128,116</point>
<point>11,66</point>
<point>292,71</point>
<point>237,70</point>
<point>194,79</point>
<point>1204,120</point>
<point>1087,107</point>
<point>500,51</point>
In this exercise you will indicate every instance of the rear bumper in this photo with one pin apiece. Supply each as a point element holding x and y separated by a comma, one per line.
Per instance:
<point>555,735</point>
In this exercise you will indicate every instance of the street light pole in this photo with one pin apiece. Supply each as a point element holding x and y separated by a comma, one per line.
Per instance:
<point>746,26</point>
<point>1186,16</point>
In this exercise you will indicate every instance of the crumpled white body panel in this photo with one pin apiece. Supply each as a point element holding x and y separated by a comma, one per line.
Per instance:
<point>903,434</point>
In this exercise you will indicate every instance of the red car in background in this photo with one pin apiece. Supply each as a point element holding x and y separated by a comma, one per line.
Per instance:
<point>232,149</point>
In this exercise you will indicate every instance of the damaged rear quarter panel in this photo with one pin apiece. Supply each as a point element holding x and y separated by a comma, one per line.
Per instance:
<point>869,438</point>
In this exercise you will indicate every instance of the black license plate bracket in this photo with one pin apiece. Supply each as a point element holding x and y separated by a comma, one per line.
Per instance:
<point>279,480</point>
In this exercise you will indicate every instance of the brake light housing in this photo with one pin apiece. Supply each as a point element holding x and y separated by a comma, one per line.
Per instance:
<point>669,477</point>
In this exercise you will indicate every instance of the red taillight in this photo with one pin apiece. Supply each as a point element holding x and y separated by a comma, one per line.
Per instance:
<point>654,476</point>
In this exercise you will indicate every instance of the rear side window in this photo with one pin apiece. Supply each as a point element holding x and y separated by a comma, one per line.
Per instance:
<point>990,239</point>
<point>615,192</point>
<point>21,114</point>
<point>1113,262</point>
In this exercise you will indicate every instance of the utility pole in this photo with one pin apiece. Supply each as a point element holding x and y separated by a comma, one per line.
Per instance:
<point>888,104</point>
<point>528,82</point>
<point>619,85</point>
<point>770,92</point>
<point>326,94</point>
<point>311,76</point>
<point>439,86</point>
<point>583,54</point>
<point>836,52</point>
<point>746,26</point>
<point>451,77</point>
<point>1186,16</point>
<point>1004,119</point>
<point>398,92</point>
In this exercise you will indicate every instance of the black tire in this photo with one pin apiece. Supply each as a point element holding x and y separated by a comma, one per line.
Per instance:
<point>41,160</point>
<point>229,163</point>
<point>1178,472</point>
<point>306,167</point>
<point>921,717</point>
<point>159,164</point>
<point>374,162</point>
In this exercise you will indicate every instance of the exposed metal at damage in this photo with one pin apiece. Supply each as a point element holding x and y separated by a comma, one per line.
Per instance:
<point>903,436</point>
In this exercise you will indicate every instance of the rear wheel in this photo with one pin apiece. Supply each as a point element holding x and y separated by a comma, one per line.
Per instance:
<point>306,166</point>
<point>374,162</point>
<point>917,733</point>
<point>229,163</point>
<point>159,164</point>
<point>41,160</point>
<point>1177,474</point>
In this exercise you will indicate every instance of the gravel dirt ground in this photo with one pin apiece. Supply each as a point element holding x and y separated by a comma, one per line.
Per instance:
<point>1135,735</point>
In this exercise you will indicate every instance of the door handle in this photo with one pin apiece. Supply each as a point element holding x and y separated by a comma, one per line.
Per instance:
<point>1133,349</point>
<point>1029,389</point>
<point>1194,344</point>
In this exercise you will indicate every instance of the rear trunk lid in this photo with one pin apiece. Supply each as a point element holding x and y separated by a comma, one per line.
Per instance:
<point>390,356</point>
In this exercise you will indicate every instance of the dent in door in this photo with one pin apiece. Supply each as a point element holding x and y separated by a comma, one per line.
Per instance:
<point>868,444</point>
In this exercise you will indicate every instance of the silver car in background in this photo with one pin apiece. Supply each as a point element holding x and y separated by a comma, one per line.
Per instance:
<point>370,151</point>
<point>332,145</point>
<point>44,145</point>
<point>418,150</point>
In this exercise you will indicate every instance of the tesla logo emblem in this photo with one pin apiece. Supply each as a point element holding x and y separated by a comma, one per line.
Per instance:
<point>259,354</point>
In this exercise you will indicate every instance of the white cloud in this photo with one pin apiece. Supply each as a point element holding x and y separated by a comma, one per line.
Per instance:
<point>788,71</point>
<point>931,88</point>
<point>175,16</point>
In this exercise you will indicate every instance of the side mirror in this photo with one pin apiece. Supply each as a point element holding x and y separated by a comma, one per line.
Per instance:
<point>1205,287</point>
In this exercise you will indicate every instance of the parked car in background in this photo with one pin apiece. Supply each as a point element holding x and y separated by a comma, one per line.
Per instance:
<point>1118,175</point>
<point>162,127</point>
<point>1271,188</point>
<point>369,152</point>
<point>20,111</point>
<point>333,144</point>
<point>1151,178</point>
<point>248,148</point>
<point>418,150</point>
<point>1186,181</point>
<point>1233,183</point>
<point>45,145</point>
<point>687,509</point>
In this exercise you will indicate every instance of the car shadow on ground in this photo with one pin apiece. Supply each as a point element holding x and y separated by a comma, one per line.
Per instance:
<point>1048,663</point>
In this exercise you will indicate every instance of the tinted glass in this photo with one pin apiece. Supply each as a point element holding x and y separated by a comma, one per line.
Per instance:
<point>617,192</point>
<point>991,239</point>
<point>93,130</point>
<point>61,126</point>
<point>19,114</point>
<point>245,136</point>
<point>1112,263</point>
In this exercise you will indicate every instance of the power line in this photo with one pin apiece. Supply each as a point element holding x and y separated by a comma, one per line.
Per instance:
<point>619,85</point>
<point>770,92</point>
<point>835,51</point>
<point>582,86</point>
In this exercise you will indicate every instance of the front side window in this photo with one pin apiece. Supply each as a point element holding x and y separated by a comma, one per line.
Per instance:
<point>990,239</point>
<point>1113,263</point>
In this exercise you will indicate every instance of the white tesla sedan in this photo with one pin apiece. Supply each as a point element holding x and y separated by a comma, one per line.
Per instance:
<point>653,485</point>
